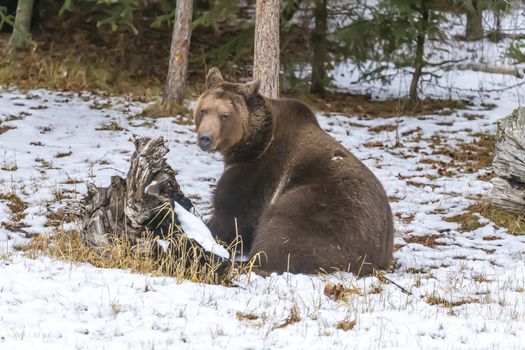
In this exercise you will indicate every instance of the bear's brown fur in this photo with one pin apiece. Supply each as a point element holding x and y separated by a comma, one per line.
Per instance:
<point>288,188</point>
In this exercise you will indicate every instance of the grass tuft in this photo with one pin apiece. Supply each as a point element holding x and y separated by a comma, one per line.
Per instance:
<point>434,299</point>
<point>63,154</point>
<point>292,318</point>
<point>346,324</point>
<point>514,223</point>
<point>246,316</point>
<point>15,204</point>
<point>469,220</point>
<point>9,168</point>
<point>428,241</point>
<point>339,292</point>
<point>184,260</point>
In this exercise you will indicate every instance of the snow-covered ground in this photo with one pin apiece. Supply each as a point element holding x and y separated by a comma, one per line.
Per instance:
<point>466,289</point>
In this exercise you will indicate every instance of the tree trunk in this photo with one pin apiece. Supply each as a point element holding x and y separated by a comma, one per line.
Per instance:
<point>266,53</point>
<point>419,61</point>
<point>22,30</point>
<point>474,27</point>
<point>178,67</point>
<point>318,43</point>
<point>509,163</point>
<point>496,35</point>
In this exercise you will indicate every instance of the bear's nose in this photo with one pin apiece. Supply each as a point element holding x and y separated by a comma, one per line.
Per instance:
<point>205,141</point>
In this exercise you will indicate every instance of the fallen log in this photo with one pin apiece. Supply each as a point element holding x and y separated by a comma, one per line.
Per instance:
<point>483,67</point>
<point>509,163</point>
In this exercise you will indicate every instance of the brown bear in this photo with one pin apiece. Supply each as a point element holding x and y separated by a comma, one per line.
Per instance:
<point>289,189</point>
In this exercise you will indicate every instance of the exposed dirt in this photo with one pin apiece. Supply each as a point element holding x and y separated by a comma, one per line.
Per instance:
<point>17,209</point>
<point>366,107</point>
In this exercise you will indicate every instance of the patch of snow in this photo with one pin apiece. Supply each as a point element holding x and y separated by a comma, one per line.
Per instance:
<point>196,229</point>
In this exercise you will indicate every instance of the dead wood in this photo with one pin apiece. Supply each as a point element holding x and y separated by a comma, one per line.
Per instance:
<point>509,163</point>
<point>140,204</point>
<point>483,67</point>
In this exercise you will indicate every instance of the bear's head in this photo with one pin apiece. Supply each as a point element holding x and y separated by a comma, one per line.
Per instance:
<point>222,113</point>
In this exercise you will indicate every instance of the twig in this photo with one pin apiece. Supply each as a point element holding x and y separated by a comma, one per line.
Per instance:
<point>442,63</point>
<point>112,168</point>
<point>381,276</point>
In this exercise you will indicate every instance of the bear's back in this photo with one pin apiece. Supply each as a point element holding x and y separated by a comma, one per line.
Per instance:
<point>292,113</point>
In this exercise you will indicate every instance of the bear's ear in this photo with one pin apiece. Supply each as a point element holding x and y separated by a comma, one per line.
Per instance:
<point>214,78</point>
<point>250,89</point>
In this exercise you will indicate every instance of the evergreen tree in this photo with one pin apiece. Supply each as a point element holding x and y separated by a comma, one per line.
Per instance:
<point>392,35</point>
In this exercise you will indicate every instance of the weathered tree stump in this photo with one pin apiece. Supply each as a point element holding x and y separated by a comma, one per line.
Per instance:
<point>138,205</point>
<point>509,163</point>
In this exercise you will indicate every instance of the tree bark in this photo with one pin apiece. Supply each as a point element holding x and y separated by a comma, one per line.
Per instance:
<point>319,49</point>
<point>474,27</point>
<point>21,35</point>
<point>131,207</point>
<point>509,163</point>
<point>266,53</point>
<point>178,66</point>
<point>419,61</point>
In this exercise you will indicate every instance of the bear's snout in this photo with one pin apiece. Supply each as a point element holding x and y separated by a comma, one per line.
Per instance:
<point>205,141</point>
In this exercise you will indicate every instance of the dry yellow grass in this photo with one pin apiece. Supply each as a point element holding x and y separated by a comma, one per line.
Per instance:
<point>346,324</point>
<point>513,222</point>
<point>181,257</point>
<point>292,318</point>
<point>71,71</point>
<point>183,260</point>
<point>469,220</point>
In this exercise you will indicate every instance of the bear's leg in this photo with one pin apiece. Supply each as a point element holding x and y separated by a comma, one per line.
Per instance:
<point>302,233</point>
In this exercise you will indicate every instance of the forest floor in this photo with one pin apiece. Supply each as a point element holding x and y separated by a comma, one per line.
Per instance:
<point>459,269</point>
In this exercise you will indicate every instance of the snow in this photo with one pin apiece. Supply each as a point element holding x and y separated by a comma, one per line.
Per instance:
<point>194,228</point>
<point>467,291</point>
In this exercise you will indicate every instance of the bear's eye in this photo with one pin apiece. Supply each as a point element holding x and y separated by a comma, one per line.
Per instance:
<point>199,115</point>
<point>225,117</point>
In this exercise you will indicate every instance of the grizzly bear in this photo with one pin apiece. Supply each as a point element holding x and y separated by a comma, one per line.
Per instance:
<point>290,190</point>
